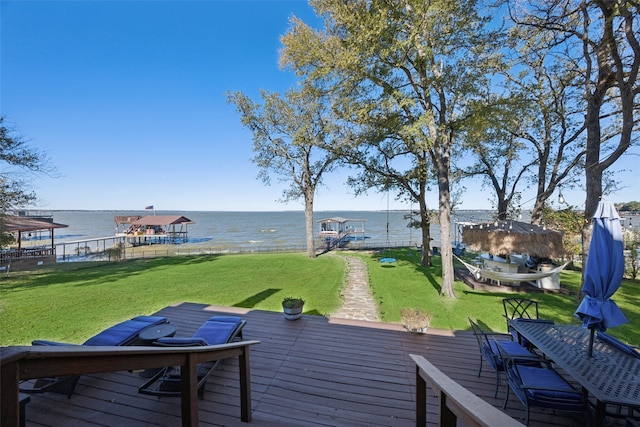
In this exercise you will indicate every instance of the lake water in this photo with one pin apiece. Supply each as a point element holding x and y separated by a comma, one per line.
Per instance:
<point>251,230</point>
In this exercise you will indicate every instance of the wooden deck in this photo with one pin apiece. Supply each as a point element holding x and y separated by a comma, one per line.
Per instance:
<point>309,372</point>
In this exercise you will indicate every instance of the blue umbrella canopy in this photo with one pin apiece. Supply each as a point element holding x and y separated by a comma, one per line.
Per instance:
<point>603,272</point>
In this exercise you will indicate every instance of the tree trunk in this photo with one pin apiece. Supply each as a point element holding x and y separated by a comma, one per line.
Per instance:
<point>503,206</point>
<point>446,249</point>
<point>536,212</point>
<point>593,169</point>
<point>308,222</point>
<point>425,226</point>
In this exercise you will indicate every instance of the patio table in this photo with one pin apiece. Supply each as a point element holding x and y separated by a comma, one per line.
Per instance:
<point>609,375</point>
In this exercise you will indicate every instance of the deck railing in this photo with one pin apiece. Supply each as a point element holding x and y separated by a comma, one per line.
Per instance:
<point>31,362</point>
<point>455,402</point>
<point>27,253</point>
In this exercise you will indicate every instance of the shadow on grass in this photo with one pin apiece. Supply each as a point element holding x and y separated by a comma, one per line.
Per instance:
<point>92,273</point>
<point>255,299</point>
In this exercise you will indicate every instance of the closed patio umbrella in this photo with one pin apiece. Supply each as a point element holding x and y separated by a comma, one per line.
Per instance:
<point>603,273</point>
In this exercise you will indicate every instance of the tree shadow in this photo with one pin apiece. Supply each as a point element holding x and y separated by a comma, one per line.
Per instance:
<point>255,299</point>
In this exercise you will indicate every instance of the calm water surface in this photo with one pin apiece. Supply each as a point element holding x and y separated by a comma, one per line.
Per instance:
<point>246,230</point>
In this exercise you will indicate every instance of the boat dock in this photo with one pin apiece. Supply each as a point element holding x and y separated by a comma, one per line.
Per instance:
<point>335,233</point>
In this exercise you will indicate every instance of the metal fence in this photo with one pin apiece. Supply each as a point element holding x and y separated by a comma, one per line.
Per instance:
<point>155,251</point>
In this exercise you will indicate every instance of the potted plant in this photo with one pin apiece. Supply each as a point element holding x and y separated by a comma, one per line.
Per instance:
<point>416,320</point>
<point>292,307</point>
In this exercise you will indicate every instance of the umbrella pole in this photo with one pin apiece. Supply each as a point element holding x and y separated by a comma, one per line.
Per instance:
<point>591,334</point>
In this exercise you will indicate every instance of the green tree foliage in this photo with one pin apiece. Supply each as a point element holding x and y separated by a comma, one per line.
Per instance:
<point>570,222</point>
<point>549,113</point>
<point>290,138</point>
<point>406,74</point>
<point>600,39</point>
<point>16,159</point>
<point>632,252</point>
<point>628,207</point>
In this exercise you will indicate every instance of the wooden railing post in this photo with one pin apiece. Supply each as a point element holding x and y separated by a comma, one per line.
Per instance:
<point>9,404</point>
<point>447,417</point>
<point>421,399</point>
<point>245,385</point>
<point>189,392</point>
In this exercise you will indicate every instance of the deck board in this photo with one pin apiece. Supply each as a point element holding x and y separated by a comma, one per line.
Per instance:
<point>310,372</point>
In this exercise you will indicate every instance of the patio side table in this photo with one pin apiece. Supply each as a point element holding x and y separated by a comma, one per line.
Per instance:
<point>154,332</point>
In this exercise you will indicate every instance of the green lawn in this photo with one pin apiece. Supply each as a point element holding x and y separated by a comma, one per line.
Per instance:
<point>74,304</point>
<point>74,301</point>
<point>408,284</point>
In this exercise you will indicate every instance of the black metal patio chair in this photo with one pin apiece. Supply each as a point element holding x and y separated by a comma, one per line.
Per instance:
<point>487,343</point>
<point>536,383</point>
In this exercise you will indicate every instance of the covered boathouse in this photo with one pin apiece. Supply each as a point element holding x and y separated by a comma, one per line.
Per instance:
<point>150,229</point>
<point>335,232</point>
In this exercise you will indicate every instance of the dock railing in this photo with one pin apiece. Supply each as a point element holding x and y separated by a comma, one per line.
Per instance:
<point>30,362</point>
<point>454,401</point>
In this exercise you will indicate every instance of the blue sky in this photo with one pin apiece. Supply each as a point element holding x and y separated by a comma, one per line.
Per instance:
<point>128,100</point>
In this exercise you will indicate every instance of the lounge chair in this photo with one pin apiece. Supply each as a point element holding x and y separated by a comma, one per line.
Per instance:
<point>124,333</point>
<point>216,330</point>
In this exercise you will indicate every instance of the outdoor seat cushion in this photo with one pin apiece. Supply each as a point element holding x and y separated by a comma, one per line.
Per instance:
<point>511,349</point>
<point>216,330</point>
<point>545,387</point>
<point>124,332</point>
<point>116,335</point>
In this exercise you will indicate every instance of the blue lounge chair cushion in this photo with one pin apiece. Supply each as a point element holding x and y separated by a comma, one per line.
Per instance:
<point>180,342</point>
<point>124,332</point>
<point>545,387</point>
<point>216,330</point>
<point>117,335</point>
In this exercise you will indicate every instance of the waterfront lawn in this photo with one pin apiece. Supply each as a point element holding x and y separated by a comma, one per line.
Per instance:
<point>74,301</point>
<point>406,283</point>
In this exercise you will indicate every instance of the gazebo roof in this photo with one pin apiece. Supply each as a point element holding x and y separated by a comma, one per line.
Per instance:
<point>506,237</point>
<point>17,223</point>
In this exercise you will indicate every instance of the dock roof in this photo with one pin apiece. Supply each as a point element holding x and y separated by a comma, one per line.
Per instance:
<point>162,220</point>
<point>339,219</point>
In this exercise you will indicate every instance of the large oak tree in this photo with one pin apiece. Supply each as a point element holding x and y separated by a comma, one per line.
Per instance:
<point>290,138</point>
<point>600,39</point>
<point>405,73</point>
